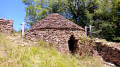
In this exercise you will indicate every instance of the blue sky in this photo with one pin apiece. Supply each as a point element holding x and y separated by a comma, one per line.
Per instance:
<point>13,9</point>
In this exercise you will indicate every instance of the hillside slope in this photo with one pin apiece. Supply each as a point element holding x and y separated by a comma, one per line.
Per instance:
<point>15,53</point>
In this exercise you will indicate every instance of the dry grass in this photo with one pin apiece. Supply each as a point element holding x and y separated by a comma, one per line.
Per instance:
<point>14,54</point>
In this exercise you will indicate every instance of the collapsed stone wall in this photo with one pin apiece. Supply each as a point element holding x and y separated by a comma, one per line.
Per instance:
<point>6,26</point>
<point>108,53</point>
<point>57,36</point>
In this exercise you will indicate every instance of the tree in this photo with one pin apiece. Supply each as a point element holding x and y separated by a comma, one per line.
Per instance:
<point>116,20</point>
<point>81,11</point>
<point>39,9</point>
<point>103,18</point>
<point>35,9</point>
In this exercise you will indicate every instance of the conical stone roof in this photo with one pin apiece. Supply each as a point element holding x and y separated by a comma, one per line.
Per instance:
<point>55,21</point>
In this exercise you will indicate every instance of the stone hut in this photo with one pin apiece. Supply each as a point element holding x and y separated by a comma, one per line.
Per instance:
<point>58,30</point>
<point>6,26</point>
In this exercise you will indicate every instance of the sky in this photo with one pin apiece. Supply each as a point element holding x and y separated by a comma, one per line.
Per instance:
<point>13,9</point>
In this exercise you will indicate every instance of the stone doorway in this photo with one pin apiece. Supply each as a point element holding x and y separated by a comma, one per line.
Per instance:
<point>72,44</point>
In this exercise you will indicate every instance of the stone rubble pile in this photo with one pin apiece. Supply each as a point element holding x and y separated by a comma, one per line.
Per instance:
<point>86,46</point>
<point>108,53</point>
<point>6,26</point>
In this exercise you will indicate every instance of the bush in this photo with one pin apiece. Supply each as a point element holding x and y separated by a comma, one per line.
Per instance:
<point>116,39</point>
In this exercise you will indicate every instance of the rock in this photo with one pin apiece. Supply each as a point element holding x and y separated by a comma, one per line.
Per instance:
<point>6,26</point>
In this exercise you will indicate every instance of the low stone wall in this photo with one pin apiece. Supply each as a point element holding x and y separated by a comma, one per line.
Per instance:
<point>109,54</point>
<point>86,46</point>
<point>6,26</point>
<point>59,37</point>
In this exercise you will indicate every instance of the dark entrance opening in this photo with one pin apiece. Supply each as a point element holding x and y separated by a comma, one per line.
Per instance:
<point>72,43</point>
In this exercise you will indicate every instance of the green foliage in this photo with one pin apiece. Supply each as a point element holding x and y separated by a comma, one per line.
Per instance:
<point>116,39</point>
<point>39,9</point>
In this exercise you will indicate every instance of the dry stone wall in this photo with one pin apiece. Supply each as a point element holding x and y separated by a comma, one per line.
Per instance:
<point>109,54</point>
<point>6,26</point>
<point>57,36</point>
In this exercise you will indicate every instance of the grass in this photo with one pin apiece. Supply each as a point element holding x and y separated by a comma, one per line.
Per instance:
<point>40,54</point>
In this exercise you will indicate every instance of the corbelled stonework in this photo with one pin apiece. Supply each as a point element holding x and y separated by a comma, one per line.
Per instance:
<point>6,26</point>
<point>56,29</point>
